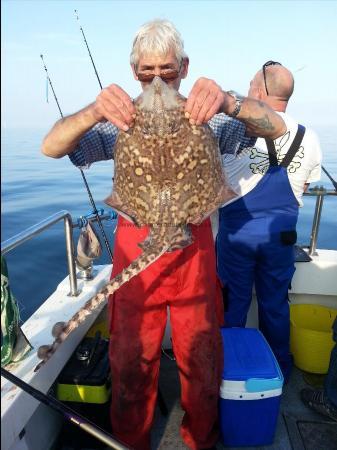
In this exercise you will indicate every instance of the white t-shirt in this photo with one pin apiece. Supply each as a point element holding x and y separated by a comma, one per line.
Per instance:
<point>246,169</point>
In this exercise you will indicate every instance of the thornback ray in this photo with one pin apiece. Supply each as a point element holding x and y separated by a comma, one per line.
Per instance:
<point>168,175</point>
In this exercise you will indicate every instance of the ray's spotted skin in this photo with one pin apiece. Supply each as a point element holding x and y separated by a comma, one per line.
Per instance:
<point>168,175</point>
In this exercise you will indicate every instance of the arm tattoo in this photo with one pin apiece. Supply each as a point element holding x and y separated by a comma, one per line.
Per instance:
<point>262,123</point>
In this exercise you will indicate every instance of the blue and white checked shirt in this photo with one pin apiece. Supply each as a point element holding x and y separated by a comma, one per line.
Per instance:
<point>98,143</point>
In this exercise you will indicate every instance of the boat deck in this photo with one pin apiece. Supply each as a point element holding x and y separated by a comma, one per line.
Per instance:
<point>298,427</point>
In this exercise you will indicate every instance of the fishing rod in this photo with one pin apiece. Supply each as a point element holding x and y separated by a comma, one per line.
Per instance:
<point>86,43</point>
<point>95,211</point>
<point>69,414</point>
<point>330,178</point>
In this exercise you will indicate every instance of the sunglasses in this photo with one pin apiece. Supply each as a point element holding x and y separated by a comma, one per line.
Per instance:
<point>265,65</point>
<point>166,75</point>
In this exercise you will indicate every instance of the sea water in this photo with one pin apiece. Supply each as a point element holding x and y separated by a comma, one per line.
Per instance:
<point>35,187</point>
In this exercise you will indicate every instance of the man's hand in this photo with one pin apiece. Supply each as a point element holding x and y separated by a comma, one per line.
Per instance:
<point>205,100</point>
<point>115,105</point>
<point>112,104</point>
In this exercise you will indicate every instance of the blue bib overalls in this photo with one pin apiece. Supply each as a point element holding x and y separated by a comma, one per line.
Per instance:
<point>255,244</point>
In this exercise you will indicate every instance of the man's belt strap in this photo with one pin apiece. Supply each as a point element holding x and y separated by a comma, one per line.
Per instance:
<point>291,152</point>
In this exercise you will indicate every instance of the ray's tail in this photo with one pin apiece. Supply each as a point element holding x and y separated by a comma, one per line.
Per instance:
<point>152,251</point>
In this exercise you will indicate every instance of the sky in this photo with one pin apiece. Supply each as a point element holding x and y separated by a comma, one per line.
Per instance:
<point>226,40</point>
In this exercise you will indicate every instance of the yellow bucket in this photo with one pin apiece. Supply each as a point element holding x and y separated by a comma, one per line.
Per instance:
<point>311,336</point>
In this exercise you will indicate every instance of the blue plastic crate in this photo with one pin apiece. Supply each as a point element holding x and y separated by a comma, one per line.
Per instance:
<point>251,389</point>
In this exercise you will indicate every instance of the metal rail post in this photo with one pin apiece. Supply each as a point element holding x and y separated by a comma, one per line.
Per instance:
<point>316,221</point>
<point>28,234</point>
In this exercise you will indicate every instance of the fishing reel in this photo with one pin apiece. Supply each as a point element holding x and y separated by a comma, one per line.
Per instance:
<point>110,216</point>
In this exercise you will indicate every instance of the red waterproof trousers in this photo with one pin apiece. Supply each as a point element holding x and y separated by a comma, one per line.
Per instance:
<point>184,280</point>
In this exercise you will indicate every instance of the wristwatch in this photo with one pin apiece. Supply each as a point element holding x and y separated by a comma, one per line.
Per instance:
<point>238,102</point>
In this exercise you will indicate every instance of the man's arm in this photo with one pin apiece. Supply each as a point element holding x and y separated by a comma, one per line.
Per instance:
<point>112,104</point>
<point>207,99</point>
<point>63,138</point>
<point>259,118</point>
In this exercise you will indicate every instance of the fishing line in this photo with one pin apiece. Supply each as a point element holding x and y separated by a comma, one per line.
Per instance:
<point>95,211</point>
<point>51,85</point>
<point>69,414</point>
<point>330,178</point>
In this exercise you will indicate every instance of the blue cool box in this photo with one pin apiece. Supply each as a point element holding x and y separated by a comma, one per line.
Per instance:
<point>251,389</point>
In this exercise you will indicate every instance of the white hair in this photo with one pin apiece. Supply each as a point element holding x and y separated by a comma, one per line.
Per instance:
<point>158,37</point>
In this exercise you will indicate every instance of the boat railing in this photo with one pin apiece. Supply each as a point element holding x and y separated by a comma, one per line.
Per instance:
<point>69,225</point>
<point>320,193</point>
<point>35,230</point>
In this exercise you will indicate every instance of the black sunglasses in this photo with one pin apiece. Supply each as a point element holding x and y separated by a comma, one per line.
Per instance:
<point>265,65</point>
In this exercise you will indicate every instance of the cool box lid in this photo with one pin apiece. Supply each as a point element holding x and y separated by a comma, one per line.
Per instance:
<point>248,358</point>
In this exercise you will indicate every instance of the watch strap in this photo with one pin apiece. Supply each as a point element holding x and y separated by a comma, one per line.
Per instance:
<point>238,103</point>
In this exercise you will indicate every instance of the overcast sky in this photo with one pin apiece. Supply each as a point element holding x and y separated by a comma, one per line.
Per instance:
<point>227,41</point>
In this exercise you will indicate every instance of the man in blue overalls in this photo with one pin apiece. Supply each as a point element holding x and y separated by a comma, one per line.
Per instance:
<point>257,231</point>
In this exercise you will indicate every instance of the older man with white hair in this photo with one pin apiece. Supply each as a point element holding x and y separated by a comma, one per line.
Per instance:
<point>183,280</point>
